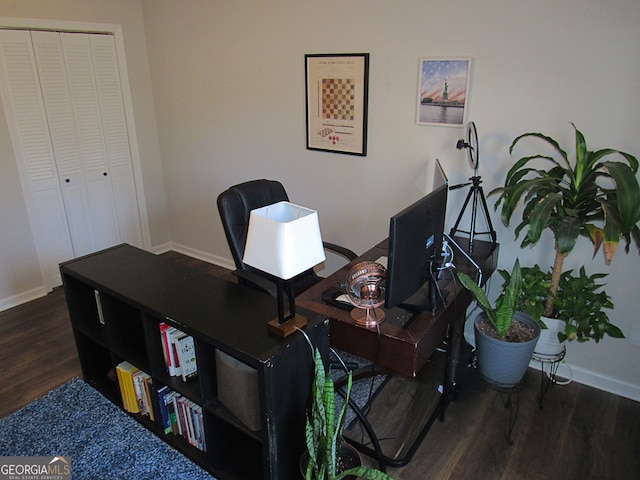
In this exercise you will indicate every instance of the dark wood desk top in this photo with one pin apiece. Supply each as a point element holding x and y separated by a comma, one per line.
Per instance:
<point>405,340</point>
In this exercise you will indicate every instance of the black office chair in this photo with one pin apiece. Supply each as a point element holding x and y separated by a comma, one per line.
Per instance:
<point>234,205</point>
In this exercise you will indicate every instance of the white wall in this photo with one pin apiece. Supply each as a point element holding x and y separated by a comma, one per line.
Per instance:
<point>228,82</point>
<point>224,82</point>
<point>20,277</point>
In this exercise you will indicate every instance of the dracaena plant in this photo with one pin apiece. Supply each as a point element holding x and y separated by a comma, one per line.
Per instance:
<point>589,194</point>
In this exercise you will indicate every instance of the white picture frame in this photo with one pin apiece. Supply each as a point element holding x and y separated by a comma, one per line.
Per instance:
<point>443,91</point>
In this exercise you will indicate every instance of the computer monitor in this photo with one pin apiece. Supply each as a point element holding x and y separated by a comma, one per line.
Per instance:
<point>415,244</point>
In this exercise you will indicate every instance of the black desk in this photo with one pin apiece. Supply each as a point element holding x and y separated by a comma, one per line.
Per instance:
<point>405,341</point>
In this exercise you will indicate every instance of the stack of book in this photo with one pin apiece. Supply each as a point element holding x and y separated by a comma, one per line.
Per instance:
<point>181,416</point>
<point>179,352</point>
<point>135,388</point>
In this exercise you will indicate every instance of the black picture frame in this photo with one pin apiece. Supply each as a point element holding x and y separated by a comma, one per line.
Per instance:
<point>337,89</point>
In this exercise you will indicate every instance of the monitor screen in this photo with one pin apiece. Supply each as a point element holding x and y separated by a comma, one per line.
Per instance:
<point>415,244</point>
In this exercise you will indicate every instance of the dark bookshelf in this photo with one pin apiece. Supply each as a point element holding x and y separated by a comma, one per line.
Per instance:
<point>117,299</point>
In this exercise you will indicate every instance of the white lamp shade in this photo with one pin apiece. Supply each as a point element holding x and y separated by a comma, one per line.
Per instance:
<point>284,240</point>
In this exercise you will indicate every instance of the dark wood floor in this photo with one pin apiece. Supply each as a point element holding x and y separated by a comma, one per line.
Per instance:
<point>580,433</point>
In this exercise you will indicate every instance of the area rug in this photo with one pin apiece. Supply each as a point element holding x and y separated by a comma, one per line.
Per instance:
<point>77,421</point>
<point>363,391</point>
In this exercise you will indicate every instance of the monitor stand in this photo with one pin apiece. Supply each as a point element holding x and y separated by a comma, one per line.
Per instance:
<point>426,298</point>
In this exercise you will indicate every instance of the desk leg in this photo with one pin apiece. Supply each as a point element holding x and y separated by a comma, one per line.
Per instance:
<point>377,453</point>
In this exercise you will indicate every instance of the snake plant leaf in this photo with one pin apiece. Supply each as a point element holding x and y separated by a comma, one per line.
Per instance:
<point>478,294</point>
<point>329,399</point>
<point>505,308</point>
<point>501,314</point>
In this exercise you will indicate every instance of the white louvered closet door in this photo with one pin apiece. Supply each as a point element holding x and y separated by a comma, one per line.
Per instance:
<point>79,135</point>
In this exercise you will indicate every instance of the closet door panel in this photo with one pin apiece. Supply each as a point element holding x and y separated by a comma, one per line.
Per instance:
<point>105,63</point>
<point>84,101</point>
<point>24,108</point>
<point>64,138</point>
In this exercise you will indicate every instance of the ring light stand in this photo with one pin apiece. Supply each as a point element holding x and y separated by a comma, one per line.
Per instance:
<point>476,195</point>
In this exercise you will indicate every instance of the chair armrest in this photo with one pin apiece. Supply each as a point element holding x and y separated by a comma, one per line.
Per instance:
<point>345,252</point>
<point>257,281</point>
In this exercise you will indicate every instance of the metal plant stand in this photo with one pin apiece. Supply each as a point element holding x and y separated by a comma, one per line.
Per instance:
<point>548,369</point>
<point>511,401</point>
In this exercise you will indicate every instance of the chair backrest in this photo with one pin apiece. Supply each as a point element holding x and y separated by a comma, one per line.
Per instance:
<point>235,204</point>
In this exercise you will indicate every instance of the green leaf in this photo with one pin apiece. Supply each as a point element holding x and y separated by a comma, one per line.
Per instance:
<point>541,214</point>
<point>627,194</point>
<point>582,158</point>
<point>364,472</point>
<point>567,234</point>
<point>478,294</point>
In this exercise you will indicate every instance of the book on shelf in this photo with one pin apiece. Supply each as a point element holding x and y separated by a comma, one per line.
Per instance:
<point>136,389</point>
<point>164,397</point>
<point>96,293</point>
<point>187,357</point>
<point>125,371</point>
<point>182,417</point>
<point>179,352</point>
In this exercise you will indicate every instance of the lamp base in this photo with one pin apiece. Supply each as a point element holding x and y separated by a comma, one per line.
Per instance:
<point>287,328</point>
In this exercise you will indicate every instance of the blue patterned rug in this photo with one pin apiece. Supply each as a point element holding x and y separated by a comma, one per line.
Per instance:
<point>103,442</point>
<point>363,391</point>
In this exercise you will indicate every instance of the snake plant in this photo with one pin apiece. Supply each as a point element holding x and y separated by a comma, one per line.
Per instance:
<point>324,431</point>
<point>501,314</point>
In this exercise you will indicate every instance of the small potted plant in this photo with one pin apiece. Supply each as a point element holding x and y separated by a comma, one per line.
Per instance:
<point>328,457</point>
<point>536,286</point>
<point>581,196</point>
<point>581,303</point>
<point>505,338</point>
<point>578,312</point>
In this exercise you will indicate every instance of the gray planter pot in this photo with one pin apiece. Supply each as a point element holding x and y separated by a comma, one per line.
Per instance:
<point>503,364</point>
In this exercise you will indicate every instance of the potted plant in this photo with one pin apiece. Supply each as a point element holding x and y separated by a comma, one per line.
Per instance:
<point>505,337</point>
<point>328,457</point>
<point>581,302</point>
<point>536,286</point>
<point>579,308</point>
<point>580,196</point>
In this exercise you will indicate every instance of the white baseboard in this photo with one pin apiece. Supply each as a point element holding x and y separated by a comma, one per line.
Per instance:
<point>595,380</point>
<point>164,248</point>
<point>565,370</point>
<point>24,297</point>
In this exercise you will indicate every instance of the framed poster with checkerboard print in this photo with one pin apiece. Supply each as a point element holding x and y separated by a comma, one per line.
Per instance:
<point>336,102</point>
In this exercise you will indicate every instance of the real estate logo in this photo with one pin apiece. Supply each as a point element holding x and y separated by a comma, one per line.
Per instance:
<point>35,468</point>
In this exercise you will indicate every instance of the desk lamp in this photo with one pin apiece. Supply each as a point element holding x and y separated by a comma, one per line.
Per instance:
<point>283,241</point>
